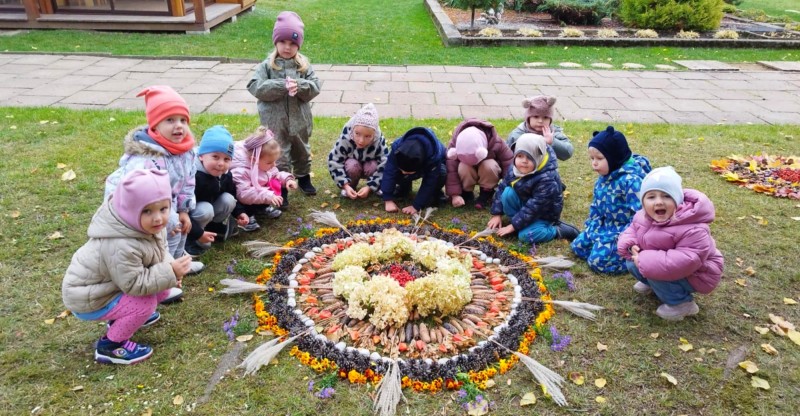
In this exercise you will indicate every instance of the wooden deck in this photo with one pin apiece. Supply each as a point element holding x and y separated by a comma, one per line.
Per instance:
<point>215,14</point>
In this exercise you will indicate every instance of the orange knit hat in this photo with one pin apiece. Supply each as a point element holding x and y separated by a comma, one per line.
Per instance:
<point>162,101</point>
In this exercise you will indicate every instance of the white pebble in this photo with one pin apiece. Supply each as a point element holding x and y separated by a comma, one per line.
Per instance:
<point>482,344</point>
<point>488,259</point>
<point>496,261</point>
<point>375,356</point>
<point>320,337</point>
<point>293,276</point>
<point>340,346</point>
<point>428,361</point>
<point>310,255</point>
<point>290,293</point>
<point>298,312</point>
<point>291,302</point>
<point>363,351</point>
<point>349,349</point>
<point>302,261</point>
<point>442,361</point>
<point>316,250</point>
<point>484,257</point>
<point>297,268</point>
<point>512,279</point>
<point>293,283</point>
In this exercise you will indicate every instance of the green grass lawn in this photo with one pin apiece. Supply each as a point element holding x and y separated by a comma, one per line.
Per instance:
<point>375,32</point>
<point>775,8</point>
<point>50,367</point>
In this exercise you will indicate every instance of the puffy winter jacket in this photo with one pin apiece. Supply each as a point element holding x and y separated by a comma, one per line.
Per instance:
<point>429,172</point>
<point>497,148</point>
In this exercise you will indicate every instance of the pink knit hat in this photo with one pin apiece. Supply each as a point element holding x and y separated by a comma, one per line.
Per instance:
<point>541,105</point>
<point>136,190</point>
<point>289,26</point>
<point>162,101</point>
<point>470,146</point>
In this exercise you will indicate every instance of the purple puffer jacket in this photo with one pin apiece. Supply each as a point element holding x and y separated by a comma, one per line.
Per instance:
<point>681,247</point>
<point>498,150</point>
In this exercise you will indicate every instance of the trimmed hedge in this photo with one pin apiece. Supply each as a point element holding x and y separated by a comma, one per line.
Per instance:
<point>698,15</point>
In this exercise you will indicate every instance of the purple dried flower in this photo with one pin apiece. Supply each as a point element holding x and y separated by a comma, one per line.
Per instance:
<point>462,394</point>
<point>456,220</point>
<point>559,342</point>
<point>311,385</point>
<point>478,398</point>
<point>326,393</point>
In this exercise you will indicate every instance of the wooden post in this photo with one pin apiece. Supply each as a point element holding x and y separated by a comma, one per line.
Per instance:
<point>199,12</point>
<point>31,9</point>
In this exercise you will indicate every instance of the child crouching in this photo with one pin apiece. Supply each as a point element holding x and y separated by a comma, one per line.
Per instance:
<point>125,269</point>
<point>669,248</point>
<point>359,153</point>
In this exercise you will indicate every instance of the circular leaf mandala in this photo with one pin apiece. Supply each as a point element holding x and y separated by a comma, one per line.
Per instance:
<point>774,175</point>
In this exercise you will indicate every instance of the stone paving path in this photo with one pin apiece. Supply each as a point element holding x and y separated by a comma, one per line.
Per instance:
<point>98,82</point>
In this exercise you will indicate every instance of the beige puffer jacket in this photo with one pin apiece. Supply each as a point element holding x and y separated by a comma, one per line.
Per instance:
<point>116,259</point>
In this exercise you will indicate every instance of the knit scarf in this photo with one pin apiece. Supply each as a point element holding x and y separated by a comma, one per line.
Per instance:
<point>173,148</point>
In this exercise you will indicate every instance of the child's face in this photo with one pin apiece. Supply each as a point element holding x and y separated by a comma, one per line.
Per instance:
<point>363,136</point>
<point>174,128</point>
<point>537,123</point>
<point>216,163</point>
<point>287,49</point>
<point>267,159</point>
<point>523,164</point>
<point>658,205</point>
<point>599,162</point>
<point>155,216</point>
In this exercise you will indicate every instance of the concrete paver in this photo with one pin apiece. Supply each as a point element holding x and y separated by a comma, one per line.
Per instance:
<point>425,91</point>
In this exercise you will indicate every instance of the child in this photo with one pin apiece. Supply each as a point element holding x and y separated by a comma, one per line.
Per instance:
<point>215,193</point>
<point>532,195</point>
<point>538,120</point>
<point>476,156</point>
<point>258,181</point>
<point>615,200</point>
<point>360,152</point>
<point>284,84</point>
<point>669,248</point>
<point>165,143</point>
<point>418,154</point>
<point>124,270</point>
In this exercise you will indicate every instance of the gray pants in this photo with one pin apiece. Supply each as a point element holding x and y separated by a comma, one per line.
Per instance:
<point>219,211</point>
<point>175,239</point>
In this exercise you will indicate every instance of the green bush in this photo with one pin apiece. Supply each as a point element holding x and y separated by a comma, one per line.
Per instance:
<point>523,5</point>
<point>672,14</point>
<point>734,2</point>
<point>729,8</point>
<point>579,12</point>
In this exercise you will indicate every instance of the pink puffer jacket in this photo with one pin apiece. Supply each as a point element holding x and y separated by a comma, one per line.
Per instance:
<point>681,247</point>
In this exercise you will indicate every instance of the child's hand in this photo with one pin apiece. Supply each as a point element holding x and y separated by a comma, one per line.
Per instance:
<point>276,200</point>
<point>291,86</point>
<point>350,192</point>
<point>243,219</point>
<point>186,223</point>
<point>495,222</point>
<point>548,134</point>
<point>508,229</point>
<point>363,192</point>
<point>207,237</point>
<point>635,249</point>
<point>410,210</point>
<point>291,184</point>
<point>457,201</point>
<point>181,266</point>
<point>390,206</point>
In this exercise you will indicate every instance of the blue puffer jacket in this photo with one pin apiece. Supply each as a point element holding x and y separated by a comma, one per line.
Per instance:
<point>541,192</point>
<point>612,209</point>
<point>430,172</point>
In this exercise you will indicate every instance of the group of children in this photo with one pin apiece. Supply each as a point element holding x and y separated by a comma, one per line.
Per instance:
<point>170,200</point>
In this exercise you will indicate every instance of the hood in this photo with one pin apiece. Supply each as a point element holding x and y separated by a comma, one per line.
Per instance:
<point>696,208</point>
<point>107,224</point>
<point>433,148</point>
<point>138,142</point>
<point>639,166</point>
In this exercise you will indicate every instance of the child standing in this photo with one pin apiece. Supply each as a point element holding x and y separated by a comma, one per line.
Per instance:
<point>539,120</point>
<point>615,200</point>
<point>257,178</point>
<point>165,143</point>
<point>284,84</point>
<point>476,156</point>
<point>532,195</point>
<point>215,193</point>
<point>360,153</point>
<point>418,154</point>
<point>124,270</point>
<point>669,248</point>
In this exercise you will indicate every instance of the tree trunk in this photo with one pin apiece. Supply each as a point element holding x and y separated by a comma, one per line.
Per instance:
<point>472,22</point>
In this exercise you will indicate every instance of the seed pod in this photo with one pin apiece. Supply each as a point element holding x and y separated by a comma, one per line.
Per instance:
<point>409,332</point>
<point>457,325</point>
<point>449,327</point>
<point>423,333</point>
<point>416,331</point>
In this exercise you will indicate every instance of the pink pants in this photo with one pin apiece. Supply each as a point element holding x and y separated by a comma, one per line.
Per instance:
<point>356,170</point>
<point>486,175</point>
<point>130,313</point>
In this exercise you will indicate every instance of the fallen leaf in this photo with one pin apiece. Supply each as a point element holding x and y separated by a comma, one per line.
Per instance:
<point>324,204</point>
<point>15,214</point>
<point>49,321</point>
<point>795,218</point>
<point>763,221</point>
<point>789,301</point>
<point>778,320</point>
<point>739,262</point>
<point>337,206</point>
<point>147,412</point>
<point>177,400</point>
<point>777,330</point>
<point>698,359</point>
<point>68,175</point>
<point>55,236</point>
<point>140,386</point>
<point>761,330</point>
<point>244,338</point>
<point>600,382</point>
<point>654,335</point>
<point>64,314</point>
<point>77,388</point>
<point>490,383</point>
<point>577,378</point>
<point>657,354</point>
<point>683,340</point>
<point>794,336</point>
<point>602,347</point>
<point>528,399</point>
<point>749,366</point>
<point>741,282</point>
<point>749,271</point>
<point>60,166</point>
<point>759,383</point>
<point>769,349</point>
<point>600,399</point>
<point>670,378</point>
<point>477,409</point>
<point>686,347</point>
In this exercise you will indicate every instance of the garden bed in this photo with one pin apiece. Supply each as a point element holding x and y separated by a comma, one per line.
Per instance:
<point>455,29</point>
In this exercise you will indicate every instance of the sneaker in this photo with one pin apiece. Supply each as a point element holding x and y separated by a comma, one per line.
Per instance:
<point>677,312</point>
<point>125,352</point>
<point>304,182</point>
<point>150,321</point>
<point>175,294</point>
<point>231,229</point>
<point>272,212</point>
<point>252,225</point>
<point>566,231</point>
<point>196,267</point>
<point>484,199</point>
<point>642,288</point>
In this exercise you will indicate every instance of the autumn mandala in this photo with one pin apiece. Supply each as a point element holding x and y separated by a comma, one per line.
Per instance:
<point>439,304</point>
<point>774,175</point>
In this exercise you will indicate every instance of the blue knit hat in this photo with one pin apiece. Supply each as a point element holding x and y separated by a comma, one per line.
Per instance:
<point>613,146</point>
<point>663,179</point>
<point>216,139</point>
